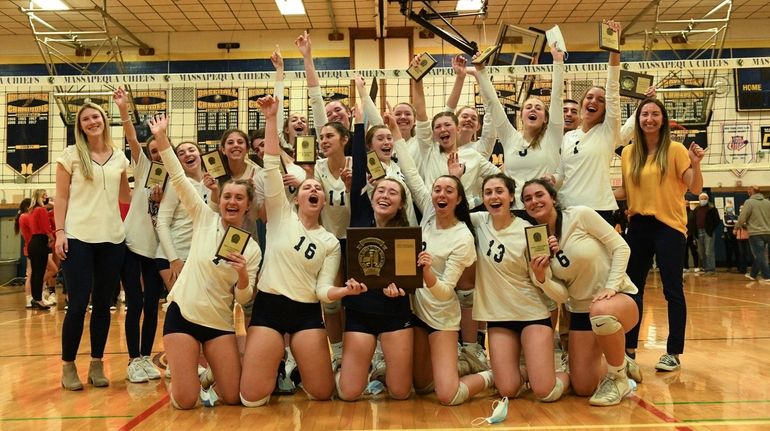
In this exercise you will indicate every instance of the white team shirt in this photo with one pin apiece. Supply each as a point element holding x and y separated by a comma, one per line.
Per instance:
<point>140,232</point>
<point>174,224</point>
<point>205,290</point>
<point>592,257</point>
<point>300,263</point>
<point>93,213</point>
<point>521,162</point>
<point>335,216</point>
<point>504,283</point>
<point>585,175</point>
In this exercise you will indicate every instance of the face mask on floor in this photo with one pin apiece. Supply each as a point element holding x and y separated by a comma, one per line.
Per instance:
<point>499,413</point>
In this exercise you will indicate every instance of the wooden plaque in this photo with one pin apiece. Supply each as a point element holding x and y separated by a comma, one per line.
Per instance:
<point>157,176</point>
<point>213,163</point>
<point>485,55</point>
<point>537,241</point>
<point>380,256</point>
<point>234,241</point>
<point>609,39</point>
<point>426,63</point>
<point>374,166</point>
<point>633,84</point>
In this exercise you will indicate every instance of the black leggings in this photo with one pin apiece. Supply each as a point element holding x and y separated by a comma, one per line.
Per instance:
<point>141,271</point>
<point>38,257</point>
<point>91,270</point>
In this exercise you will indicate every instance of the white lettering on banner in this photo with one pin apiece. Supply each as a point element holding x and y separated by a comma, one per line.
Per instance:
<point>238,77</point>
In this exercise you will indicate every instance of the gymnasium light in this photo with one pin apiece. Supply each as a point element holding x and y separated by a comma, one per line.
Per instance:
<point>290,7</point>
<point>50,4</point>
<point>469,5</point>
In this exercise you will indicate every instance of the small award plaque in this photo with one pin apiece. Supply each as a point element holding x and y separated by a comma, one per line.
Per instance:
<point>214,165</point>
<point>537,240</point>
<point>374,166</point>
<point>305,150</point>
<point>234,241</point>
<point>380,256</point>
<point>486,54</point>
<point>157,176</point>
<point>634,84</point>
<point>426,62</point>
<point>609,39</point>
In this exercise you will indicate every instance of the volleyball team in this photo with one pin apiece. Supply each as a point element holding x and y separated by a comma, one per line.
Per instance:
<point>478,278</point>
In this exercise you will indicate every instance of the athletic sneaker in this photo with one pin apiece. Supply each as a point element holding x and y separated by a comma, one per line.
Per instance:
<point>122,297</point>
<point>135,372</point>
<point>207,378</point>
<point>378,367</point>
<point>149,368</point>
<point>747,275</point>
<point>29,302</point>
<point>208,397</point>
<point>477,359</point>
<point>52,298</point>
<point>668,363</point>
<point>611,390</point>
<point>336,364</point>
<point>632,370</point>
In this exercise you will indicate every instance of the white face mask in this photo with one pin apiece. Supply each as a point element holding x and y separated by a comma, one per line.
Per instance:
<point>704,202</point>
<point>499,413</point>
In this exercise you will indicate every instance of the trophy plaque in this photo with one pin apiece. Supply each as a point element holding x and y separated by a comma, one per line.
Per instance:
<point>426,62</point>
<point>537,241</point>
<point>373,165</point>
<point>634,84</point>
<point>234,241</point>
<point>380,256</point>
<point>213,163</point>
<point>157,176</point>
<point>609,39</point>
<point>305,151</point>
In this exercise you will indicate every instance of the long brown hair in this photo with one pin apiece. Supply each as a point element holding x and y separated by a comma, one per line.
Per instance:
<point>639,151</point>
<point>539,137</point>
<point>399,219</point>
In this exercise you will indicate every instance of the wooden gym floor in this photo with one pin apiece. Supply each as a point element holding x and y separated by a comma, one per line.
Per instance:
<point>724,383</point>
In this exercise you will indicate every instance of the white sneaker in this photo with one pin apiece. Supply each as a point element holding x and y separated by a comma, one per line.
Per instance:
<point>696,270</point>
<point>149,368</point>
<point>201,370</point>
<point>207,378</point>
<point>135,372</point>
<point>476,357</point>
<point>633,370</point>
<point>52,298</point>
<point>122,297</point>
<point>28,304</point>
<point>611,390</point>
<point>378,367</point>
<point>336,364</point>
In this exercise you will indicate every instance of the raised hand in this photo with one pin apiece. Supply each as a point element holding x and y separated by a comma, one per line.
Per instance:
<point>459,64</point>
<point>158,124</point>
<point>558,55</point>
<point>277,59</point>
<point>454,166</point>
<point>120,97</point>
<point>303,44</point>
<point>268,105</point>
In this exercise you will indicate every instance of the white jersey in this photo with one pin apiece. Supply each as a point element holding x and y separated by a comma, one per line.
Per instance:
<point>504,287</point>
<point>521,161</point>
<point>335,216</point>
<point>259,183</point>
<point>205,290</point>
<point>452,250</point>
<point>174,224</point>
<point>300,263</point>
<point>585,157</point>
<point>592,257</point>
<point>140,232</point>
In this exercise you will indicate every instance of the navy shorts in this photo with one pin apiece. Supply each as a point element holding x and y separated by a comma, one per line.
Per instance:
<point>419,323</point>
<point>162,264</point>
<point>285,315</point>
<point>176,323</point>
<point>375,324</point>
<point>519,325</point>
<point>580,322</point>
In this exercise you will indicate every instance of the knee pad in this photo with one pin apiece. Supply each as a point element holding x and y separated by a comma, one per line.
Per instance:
<point>333,307</point>
<point>460,396</point>
<point>426,390</point>
<point>257,403</point>
<point>176,404</point>
<point>556,392</point>
<point>605,324</point>
<point>465,297</point>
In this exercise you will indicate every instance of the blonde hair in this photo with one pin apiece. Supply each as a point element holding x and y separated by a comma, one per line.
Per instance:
<point>37,197</point>
<point>539,137</point>
<point>81,141</point>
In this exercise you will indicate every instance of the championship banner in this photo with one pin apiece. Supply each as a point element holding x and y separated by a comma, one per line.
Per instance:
<point>147,103</point>
<point>217,110</point>
<point>765,130</point>
<point>256,120</point>
<point>27,132</point>
<point>738,148</point>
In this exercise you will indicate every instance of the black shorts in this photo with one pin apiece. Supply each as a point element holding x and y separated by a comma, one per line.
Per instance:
<point>344,256</point>
<point>519,325</point>
<point>580,322</point>
<point>162,264</point>
<point>375,324</point>
<point>285,315</point>
<point>176,323</point>
<point>419,323</point>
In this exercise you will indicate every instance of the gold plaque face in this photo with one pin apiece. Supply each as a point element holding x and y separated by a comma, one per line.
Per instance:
<point>405,250</point>
<point>305,150</point>
<point>212,162</point>
<point>609,39</point>
<point>635,85</point>
<point>537,241</point>
<point>373,165</point>
<point>426,63</point>
<point>486,54</point>
<point>157,176</point>
<point>234,241</point>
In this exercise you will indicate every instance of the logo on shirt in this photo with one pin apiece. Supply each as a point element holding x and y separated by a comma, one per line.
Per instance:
<point>371,255</point>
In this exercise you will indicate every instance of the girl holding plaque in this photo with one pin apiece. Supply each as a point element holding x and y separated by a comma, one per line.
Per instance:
<point>373,314</point>
<point>584,172</point>
<point>301,261</point>
<point>200,307</point>
<point>91,179</point>
<point>656,174</point>
<point>516,311</point>
<point>448,249</point>
<point>588,272</point>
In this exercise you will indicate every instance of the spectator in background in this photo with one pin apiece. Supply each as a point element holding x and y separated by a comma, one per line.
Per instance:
<point>731,243</point>
<point>745,259</point>
<point>755,216</point>
<point>706,222</point>
<point>692,240</point>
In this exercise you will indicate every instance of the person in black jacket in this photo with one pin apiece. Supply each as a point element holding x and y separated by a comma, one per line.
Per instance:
<point>706,222</point>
